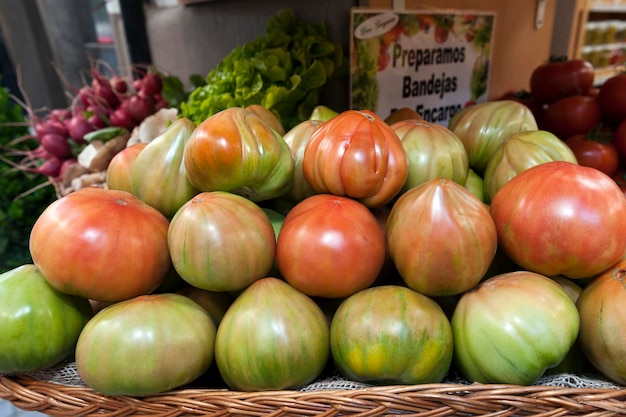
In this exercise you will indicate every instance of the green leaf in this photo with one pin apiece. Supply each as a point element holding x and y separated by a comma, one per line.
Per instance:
<point>284,69</point>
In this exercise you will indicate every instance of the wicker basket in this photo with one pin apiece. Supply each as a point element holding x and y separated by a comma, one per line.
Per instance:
<point>432,400</point>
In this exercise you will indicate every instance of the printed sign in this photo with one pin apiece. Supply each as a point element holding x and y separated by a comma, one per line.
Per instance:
<point>435,63</point>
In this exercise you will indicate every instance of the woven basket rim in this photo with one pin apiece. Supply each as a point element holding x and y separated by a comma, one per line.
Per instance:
<point>434,399</point>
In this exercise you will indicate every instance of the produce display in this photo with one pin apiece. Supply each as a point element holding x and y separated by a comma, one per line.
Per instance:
<point>251,250</point>
<point>329,283</point>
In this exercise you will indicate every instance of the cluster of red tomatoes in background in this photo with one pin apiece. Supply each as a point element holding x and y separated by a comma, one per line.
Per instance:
<point>590,119</point>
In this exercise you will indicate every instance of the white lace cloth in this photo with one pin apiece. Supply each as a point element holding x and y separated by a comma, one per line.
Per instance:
<point>65,373</point>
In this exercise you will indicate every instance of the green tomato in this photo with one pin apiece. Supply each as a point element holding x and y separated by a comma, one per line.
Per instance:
<point>521,151</point>
<point>391,334</point>
<point>272,337</point>
<point>146,345</point>
<point>484,126</point>
<point>476,184</point>
<point>40,325</point>
<point>512,327</point>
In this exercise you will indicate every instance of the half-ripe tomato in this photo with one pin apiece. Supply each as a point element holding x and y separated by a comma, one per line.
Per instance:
<point>602,308</point>
<point>612,98</point>
<point>595,153</point>
<point>441,238</point>
<point>560,77</point>
<point>356,154</point>
<point>571,115</point>
<point>252,158</point>
<point>220,241</point>
<point>120,167</point>
<point>561,218</point>
<point>100,244</point>
<point>330,246</point>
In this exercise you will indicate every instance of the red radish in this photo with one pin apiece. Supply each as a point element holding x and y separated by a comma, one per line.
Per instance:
<point>56,145</point>
<point>97,121</point>
<point>66,165</point>
<point>51,167</point>
<point>78,127</point>
<point>97,117</point>
<point>39,153</point>
<point>161,104</point>
<point>120,86</point>
<point>152,84</point>
<point>60,114</point>
<point>137,84</point>
<point>50,126</point>
<point>140,107</point>
<point>120,117</point>
<point>86,96</point>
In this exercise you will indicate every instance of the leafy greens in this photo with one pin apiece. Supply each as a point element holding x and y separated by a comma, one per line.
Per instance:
<point>282,70</point>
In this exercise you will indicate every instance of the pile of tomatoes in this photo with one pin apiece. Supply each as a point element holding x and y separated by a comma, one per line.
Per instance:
<point>589,118</point>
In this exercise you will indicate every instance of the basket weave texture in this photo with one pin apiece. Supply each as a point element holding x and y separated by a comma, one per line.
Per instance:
<point>432,400</point>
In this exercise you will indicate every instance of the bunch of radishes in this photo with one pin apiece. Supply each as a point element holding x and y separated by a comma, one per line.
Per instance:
<point>105,102</point>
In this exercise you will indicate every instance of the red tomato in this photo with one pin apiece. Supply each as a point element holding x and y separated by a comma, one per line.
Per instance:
<point>601,155</point>
<point>612,98</point>
<point>330,246</point>
<point>571,115</point>
<point>356,154</point>
<point>559,218</point>
<point>105,245</point>
<point>560,78</point>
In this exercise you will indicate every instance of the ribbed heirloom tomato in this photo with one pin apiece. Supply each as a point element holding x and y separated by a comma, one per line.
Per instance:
<point>559,218</point>
<point>356,154</point>
<point>441,238</point>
